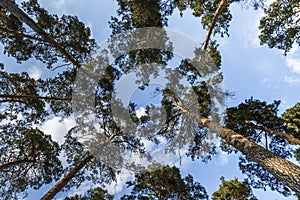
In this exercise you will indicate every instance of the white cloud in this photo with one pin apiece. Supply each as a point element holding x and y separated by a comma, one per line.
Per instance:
<point>293,60</point>
<point>57,128</point>
<point>293,64</point>
<point>248,29</point>
<point>120,184</point>
<point>59,4</point>
<point>35,72</point>
<point>292,80</point>
<point>140,112</point>
<point>266,81</point>
<point>223,158</point>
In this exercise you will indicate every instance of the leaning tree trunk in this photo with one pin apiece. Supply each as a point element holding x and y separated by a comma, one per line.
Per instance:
<point>64,181</point>
<point>282,169</point>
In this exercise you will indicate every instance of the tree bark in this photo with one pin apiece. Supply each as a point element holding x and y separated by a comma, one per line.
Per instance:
<point>64,181</point>
<point>22,16</point>
<point>284,170</point>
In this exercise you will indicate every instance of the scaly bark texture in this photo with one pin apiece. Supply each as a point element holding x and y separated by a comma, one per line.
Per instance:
<point>64,181</point>
<point>284,170</point>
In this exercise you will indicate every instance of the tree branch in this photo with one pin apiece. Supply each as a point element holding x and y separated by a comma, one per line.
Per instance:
<point>19,34</point>
<point>13,97</point>
<point>22,16</point>
<point>288,137</point>
<point>269,161</point>
<point>213,23</point>
<point>6,165</point>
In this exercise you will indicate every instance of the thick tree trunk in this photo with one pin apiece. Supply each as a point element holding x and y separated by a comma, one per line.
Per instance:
<point>64,181</point>
<point>284,170</point>
<point>22,16</point>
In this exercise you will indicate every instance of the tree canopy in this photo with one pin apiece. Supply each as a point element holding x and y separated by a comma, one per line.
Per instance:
<point>95,150</point>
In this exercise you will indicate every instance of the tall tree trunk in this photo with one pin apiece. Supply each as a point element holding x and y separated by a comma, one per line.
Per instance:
<point>284,170</point>
<point>64,181</point>
<point>22,16</point>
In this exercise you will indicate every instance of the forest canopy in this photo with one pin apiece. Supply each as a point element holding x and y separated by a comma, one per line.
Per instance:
<point>145,101</point>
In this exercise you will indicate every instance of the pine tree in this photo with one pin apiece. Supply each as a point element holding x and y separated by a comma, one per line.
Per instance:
<point>233,189</point>
<point>164,182</point>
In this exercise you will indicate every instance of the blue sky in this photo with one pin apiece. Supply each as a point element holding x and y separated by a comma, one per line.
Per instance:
<point>249,70</point>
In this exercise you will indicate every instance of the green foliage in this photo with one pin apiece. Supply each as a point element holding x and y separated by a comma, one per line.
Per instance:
<point>139,14</point>
<point>165,182</point>
<point>92,194</point>
<point>68,31</point>
<point>206,10</point>
<point>292,118</point>
<point>20,85</point>
<point>233,189</point>
<point>280,26</point>
<point>28,158</point>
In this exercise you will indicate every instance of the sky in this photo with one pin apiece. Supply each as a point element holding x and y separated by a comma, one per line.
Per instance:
<point>249,69</point>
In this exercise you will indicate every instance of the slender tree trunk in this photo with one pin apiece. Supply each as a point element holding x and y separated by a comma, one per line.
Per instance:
<point>22,16</point>
<point>222,4</point>
<point>284,170</point>
<point>64,181</point>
